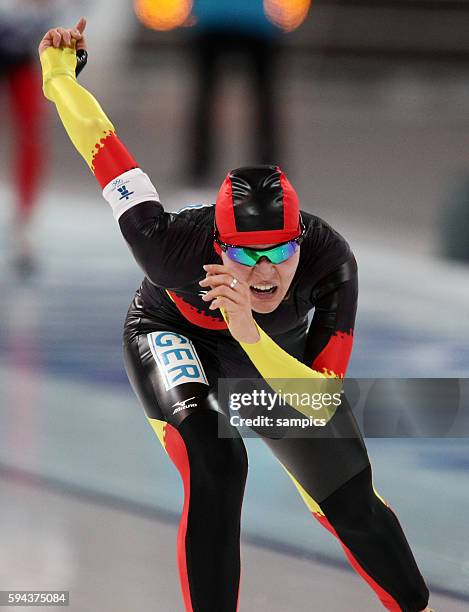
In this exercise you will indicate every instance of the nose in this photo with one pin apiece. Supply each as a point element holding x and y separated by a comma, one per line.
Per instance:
<point>264,264</point>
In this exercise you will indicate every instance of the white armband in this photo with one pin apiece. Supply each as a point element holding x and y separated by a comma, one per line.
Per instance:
<point>128,190</point>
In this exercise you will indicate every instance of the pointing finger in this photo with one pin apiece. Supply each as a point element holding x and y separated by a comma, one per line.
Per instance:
<point>81,25</point>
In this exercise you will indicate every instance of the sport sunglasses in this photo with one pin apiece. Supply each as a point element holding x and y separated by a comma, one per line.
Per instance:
<point>249,257</point>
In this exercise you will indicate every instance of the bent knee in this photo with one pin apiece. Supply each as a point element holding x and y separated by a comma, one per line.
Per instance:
<point>354,505</point>
<point>216,452</point>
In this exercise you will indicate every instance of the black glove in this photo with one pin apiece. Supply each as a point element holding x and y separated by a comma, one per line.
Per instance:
<point>82,58</point>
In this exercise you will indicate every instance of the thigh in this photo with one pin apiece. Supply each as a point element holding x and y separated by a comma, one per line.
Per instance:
<point>172,374</point>
<point>327,460</point>
<point>205,54</point>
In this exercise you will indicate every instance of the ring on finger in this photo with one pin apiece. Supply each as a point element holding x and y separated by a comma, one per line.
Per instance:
<point>233,283</point>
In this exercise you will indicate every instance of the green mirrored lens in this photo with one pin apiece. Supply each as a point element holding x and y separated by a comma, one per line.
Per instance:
<point>249,257</point>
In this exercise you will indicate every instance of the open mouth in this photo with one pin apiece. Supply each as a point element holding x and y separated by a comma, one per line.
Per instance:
<point>263,290</point>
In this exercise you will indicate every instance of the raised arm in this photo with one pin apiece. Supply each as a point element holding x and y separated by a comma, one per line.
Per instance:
<point>151,233</point>
<point>90,130</point>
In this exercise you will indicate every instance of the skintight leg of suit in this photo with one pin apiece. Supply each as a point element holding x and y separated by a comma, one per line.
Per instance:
<point>213,471</point>
<point>373,541</point>
<point>335,472</point>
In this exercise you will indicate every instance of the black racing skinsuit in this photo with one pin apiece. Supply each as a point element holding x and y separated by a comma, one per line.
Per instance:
<point>332,472</point>
<point>176,350</point>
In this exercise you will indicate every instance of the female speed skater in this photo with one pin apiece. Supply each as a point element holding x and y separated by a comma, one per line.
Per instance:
<point>227,292</point>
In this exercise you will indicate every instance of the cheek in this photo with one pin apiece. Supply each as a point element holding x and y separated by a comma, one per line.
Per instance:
<point>288,268</point>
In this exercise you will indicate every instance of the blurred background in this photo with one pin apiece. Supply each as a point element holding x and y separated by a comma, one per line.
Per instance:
<point>365,104</point>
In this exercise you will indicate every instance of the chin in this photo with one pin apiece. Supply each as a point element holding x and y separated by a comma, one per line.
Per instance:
<point>264,308</point>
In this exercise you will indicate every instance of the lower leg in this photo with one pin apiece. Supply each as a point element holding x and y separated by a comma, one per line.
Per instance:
<point>375,544</point>
<point>27,109</point>
<point>202,128</point>
<point>214,471</point>
<point>264,63</point>
<point>333,475</point>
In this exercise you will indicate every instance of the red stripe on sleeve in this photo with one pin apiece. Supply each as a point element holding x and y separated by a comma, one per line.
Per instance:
<point>335,356</point>
<point>111,159</point>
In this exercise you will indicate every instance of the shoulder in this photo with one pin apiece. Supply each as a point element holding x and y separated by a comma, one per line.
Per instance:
<point>326,259</point>
<point>323,244</point>
<point>197,214</point>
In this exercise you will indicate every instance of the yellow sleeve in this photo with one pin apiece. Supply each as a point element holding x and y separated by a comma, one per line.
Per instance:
<point>292,379</point>
<point>81,115</point>
<point>273,362</point>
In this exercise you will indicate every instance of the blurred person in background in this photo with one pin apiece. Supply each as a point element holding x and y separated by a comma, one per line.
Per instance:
<point>22,22</point>
<point>257,258</point>
<point>226,32</point>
